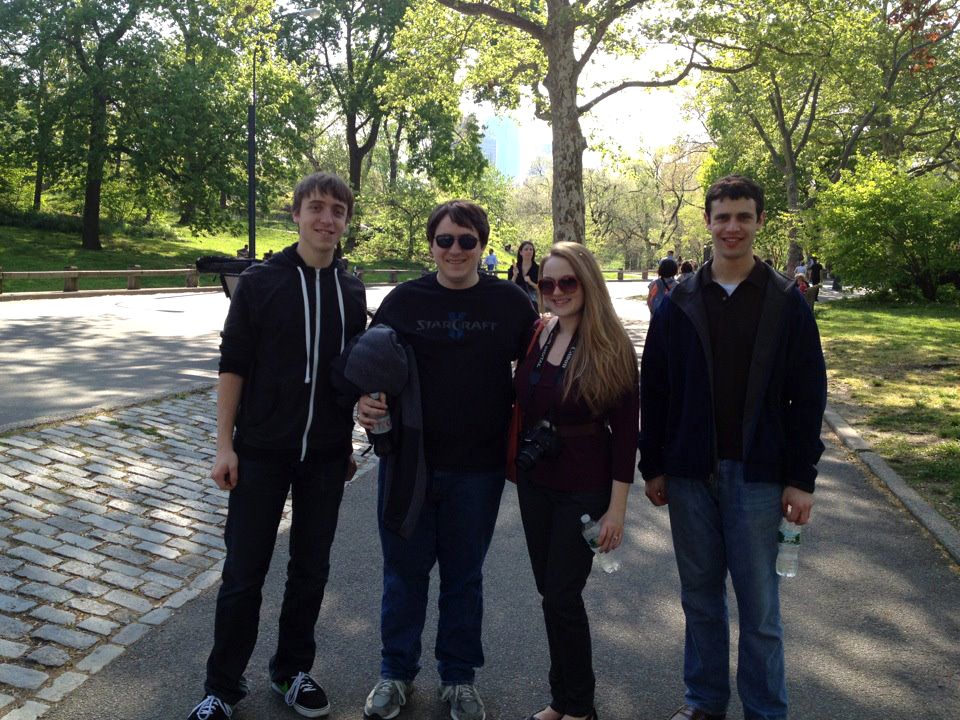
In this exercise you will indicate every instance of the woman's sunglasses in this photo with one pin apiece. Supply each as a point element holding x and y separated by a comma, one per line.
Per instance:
<point>467,242</point>
<point>568,285</point>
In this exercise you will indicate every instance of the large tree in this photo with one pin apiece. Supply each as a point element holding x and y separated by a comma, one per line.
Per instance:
<point>547,44</point>
<point>834,78</point>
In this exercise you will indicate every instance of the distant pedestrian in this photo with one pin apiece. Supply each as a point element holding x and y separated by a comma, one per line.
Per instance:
<point>815,274</point>
<point>279,429</point>
<point>661,287</point>
<point>733,389</point>
<point>686,271</point>
<point>491,262</point>
<point>526,271</point>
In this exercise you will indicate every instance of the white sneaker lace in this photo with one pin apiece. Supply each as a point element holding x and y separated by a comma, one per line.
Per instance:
<point>301,682</point>
<point>468,693</point>
<point>209,705</point>
<point>387,687</point>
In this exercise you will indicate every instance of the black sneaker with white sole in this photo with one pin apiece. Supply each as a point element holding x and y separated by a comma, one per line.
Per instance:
<point>304,694</point>
<point>211,708</point>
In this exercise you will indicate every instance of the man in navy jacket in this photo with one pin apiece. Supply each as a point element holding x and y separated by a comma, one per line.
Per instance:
<point>732,394</point>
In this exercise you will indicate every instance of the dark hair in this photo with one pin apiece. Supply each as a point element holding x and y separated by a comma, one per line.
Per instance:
<point>323,183</point>
<point>734,187</point>
<point>667,268</point>
<point>463,213</point>
<point>687,267</point>
<point>520,249</point>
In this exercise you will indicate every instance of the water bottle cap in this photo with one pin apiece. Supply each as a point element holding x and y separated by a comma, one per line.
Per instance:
<point>585,518</point>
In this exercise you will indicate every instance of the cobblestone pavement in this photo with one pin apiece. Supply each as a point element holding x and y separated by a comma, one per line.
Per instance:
<point>108,525</point>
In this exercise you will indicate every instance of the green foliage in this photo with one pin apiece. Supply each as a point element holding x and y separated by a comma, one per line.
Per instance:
<point>884,229</point>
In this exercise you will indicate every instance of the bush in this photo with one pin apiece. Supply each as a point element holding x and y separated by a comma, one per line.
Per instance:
<point>884,229</point>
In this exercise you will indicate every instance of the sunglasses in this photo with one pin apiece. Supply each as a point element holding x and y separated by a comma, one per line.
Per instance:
<point>568,285</point>
<point>467,242</point>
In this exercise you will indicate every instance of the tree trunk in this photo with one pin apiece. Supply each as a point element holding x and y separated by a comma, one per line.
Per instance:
<point>569,221</point>
<point>96,159</point>
<point>38,183</point>
<point>795,252</point>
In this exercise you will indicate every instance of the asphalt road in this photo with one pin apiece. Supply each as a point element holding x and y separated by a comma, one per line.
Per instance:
<point>872,628</point>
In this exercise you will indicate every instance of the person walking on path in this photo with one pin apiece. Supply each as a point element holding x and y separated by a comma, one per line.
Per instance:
<point>525,271</point>
<point>461,326</point>
<point>733,390</point>
<point>581,380</point>
<point>491,262</point>
<point>661,287</point>
<point>278,429</point>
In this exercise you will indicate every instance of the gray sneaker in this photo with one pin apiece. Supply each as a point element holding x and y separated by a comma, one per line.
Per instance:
<point>464,700</point>
<point>386,699</point>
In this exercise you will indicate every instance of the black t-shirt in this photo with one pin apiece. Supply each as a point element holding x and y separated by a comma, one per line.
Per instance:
<point>464,342</point>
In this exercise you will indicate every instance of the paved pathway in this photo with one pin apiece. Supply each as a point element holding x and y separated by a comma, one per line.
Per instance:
<point>111,544</point>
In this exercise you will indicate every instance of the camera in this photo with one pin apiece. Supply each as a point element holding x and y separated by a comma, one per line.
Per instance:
<point>541,441</point>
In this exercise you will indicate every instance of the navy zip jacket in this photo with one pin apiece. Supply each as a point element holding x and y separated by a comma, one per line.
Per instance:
<point>287,322</point>
<point>785,397</point>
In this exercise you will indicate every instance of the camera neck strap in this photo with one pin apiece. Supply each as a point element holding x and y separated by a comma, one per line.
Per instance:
<point>544,351</point>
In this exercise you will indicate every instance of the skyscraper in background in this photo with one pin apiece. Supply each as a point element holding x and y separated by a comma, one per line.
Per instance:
<point>501,145</point>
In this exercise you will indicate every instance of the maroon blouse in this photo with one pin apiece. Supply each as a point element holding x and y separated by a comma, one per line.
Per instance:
<point>587,462</point>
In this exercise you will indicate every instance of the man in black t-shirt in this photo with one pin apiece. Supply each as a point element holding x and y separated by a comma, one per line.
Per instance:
<point>461,326</point>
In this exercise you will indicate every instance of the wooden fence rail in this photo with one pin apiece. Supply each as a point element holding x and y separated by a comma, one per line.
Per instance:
<point>72,276</point>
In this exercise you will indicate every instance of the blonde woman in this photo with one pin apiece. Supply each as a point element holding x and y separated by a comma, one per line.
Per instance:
<point>578,389</point>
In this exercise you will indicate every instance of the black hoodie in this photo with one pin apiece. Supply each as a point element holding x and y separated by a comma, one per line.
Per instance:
<point>275,338</point>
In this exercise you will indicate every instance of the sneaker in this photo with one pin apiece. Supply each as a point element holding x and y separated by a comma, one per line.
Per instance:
<point>464,700</point>
<point>304,695</point>
<point>386,699</point>
<point>211,708</point>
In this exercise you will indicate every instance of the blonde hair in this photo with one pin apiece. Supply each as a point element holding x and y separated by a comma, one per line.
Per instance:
<point>604,367</point>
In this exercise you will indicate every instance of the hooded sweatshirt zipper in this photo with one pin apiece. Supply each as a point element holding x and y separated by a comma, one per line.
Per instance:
<point>310,370</point>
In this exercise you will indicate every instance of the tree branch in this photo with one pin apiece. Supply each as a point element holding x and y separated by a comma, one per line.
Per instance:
<point>690,67</point>
<point>614,12</point>
<point>502,16</point>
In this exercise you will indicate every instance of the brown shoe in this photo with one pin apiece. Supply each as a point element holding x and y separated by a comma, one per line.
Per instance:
<point>689,712</point>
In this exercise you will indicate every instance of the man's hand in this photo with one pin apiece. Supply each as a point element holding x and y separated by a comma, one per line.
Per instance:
<point>796,505</point>
<point>369,411</point>
<point>224,471</point>
<point>656,490</point>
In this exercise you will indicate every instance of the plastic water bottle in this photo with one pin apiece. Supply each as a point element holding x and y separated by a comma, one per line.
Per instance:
<point>591,533</point>
<point>788,553</point>
<point>380,433</point>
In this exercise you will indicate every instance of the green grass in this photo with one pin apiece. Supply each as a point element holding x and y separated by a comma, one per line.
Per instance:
<point>23,249</point>
<point>894,373</point>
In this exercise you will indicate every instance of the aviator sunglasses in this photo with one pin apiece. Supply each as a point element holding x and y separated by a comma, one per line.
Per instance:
<point>568,285</point>
<point>467,242</point>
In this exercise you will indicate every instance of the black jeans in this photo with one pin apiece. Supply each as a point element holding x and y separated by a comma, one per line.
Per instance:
<point>253,516</point>
<point>561,561</point>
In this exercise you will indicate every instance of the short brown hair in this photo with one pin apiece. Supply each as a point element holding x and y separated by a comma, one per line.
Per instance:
<point>323,183</point>
<point>463,213</point>
<point>734,187</point>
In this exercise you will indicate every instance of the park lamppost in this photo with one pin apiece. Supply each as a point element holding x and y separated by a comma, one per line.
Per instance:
<point>309,14</point>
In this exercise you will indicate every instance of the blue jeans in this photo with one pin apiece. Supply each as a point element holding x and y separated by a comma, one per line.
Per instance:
<point>719,525</point>
<point>454,529</point>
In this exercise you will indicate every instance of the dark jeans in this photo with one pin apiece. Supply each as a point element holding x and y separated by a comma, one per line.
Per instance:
<point>454,529</point>
<point>561,561</point>
<point>253,516</point>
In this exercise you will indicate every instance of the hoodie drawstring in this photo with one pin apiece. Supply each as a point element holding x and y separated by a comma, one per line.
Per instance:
<point>311,376</point>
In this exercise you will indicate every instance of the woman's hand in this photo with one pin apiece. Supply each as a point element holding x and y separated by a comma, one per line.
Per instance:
<point>369,411</point>
<point>611,523</point>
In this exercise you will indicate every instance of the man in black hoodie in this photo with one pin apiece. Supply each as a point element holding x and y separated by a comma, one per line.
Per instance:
<point>278,428</point>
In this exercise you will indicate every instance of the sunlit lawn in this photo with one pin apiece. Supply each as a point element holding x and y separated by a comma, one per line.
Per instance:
<point>894,373</point>
<point>26,249</point>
